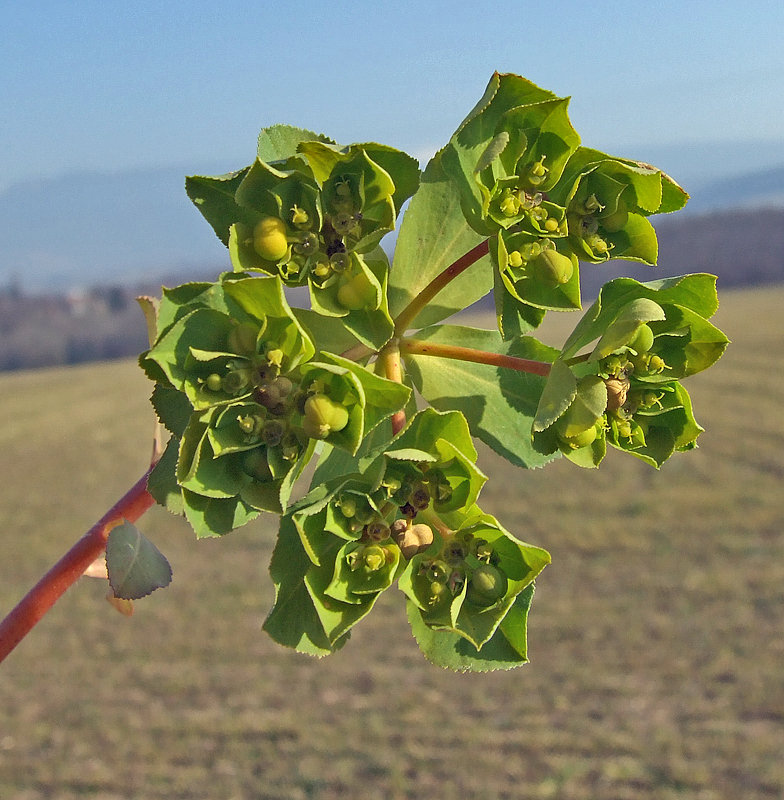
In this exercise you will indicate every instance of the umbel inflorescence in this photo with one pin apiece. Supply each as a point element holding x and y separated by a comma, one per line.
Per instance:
<point>389,400</point>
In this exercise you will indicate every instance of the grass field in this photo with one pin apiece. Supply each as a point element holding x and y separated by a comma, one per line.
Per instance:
<point>656,636</point>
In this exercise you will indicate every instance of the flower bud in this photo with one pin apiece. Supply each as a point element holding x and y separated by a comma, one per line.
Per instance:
<point>509,204</point>
<point>515,259</point>
<point>269,238</point>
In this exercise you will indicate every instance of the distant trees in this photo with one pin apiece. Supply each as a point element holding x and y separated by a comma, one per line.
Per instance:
<point>742,247</point>
<point>47,330</point>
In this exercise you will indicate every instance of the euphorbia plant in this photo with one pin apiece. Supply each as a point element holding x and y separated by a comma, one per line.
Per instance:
<point>388,400</point>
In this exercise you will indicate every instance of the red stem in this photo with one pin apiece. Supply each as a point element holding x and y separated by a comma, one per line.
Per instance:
<point>390,360</point>
<point>71,567</point>
<point>407,315</point>
<point>421,348</point>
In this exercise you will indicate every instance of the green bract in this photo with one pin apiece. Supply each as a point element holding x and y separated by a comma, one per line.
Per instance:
<point>251,388</point>
<point>626,390</point>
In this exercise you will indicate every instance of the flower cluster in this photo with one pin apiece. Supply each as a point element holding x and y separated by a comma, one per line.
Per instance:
<point>548,202</point>
<point>627,390</point>
<point>357,534</point>
<point>313,213</point>
<point>240,389</point>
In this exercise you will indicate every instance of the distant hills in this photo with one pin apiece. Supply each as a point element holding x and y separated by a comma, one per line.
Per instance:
<point>131,227</point>
<point>743,247</point>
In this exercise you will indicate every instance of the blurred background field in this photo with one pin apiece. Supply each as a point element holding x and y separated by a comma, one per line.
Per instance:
<point>656,636</point>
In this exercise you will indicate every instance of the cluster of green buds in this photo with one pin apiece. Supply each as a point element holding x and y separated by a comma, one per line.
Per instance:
<point>357,534</point>
<point>312,213</point>
<point>467,582</point>
<point>525,180</point>
<point>251,388</point>
<point>627,390</point>
<point>465,561</point>
<point>239,388</point>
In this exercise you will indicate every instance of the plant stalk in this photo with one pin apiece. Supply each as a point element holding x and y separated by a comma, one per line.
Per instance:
<point>71,566</point>
<point>422,348</point>
<point>390,362</point>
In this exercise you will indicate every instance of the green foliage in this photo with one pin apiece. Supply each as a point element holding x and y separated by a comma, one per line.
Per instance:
<point>251,389</point>
<point>135,565</point>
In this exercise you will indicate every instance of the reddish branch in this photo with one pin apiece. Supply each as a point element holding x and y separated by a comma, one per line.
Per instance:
<point>71,567</point>
<point>422,348</point>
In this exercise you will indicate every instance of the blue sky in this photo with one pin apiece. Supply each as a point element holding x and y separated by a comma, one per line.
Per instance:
<point>103,85</point>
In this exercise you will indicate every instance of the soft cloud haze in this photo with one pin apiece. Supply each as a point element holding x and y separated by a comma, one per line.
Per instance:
<point>103,85</point>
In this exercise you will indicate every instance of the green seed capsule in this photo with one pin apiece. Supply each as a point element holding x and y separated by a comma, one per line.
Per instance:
<point>269,238</point>
<point>643,339</point>
<point>323,416</point>
<point>254,463</point>
<point>322,269</point>
<point>247,424</point>
<point>552,269</point>
<point>214,382</point>
<point>357,293</point>
<point>299,217</point>
<point>615,221</point>
<point>582,439</point>
<point>656,365</point>
<point>242,339</point>
<point>487,586</point>
<point>537,172</point>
